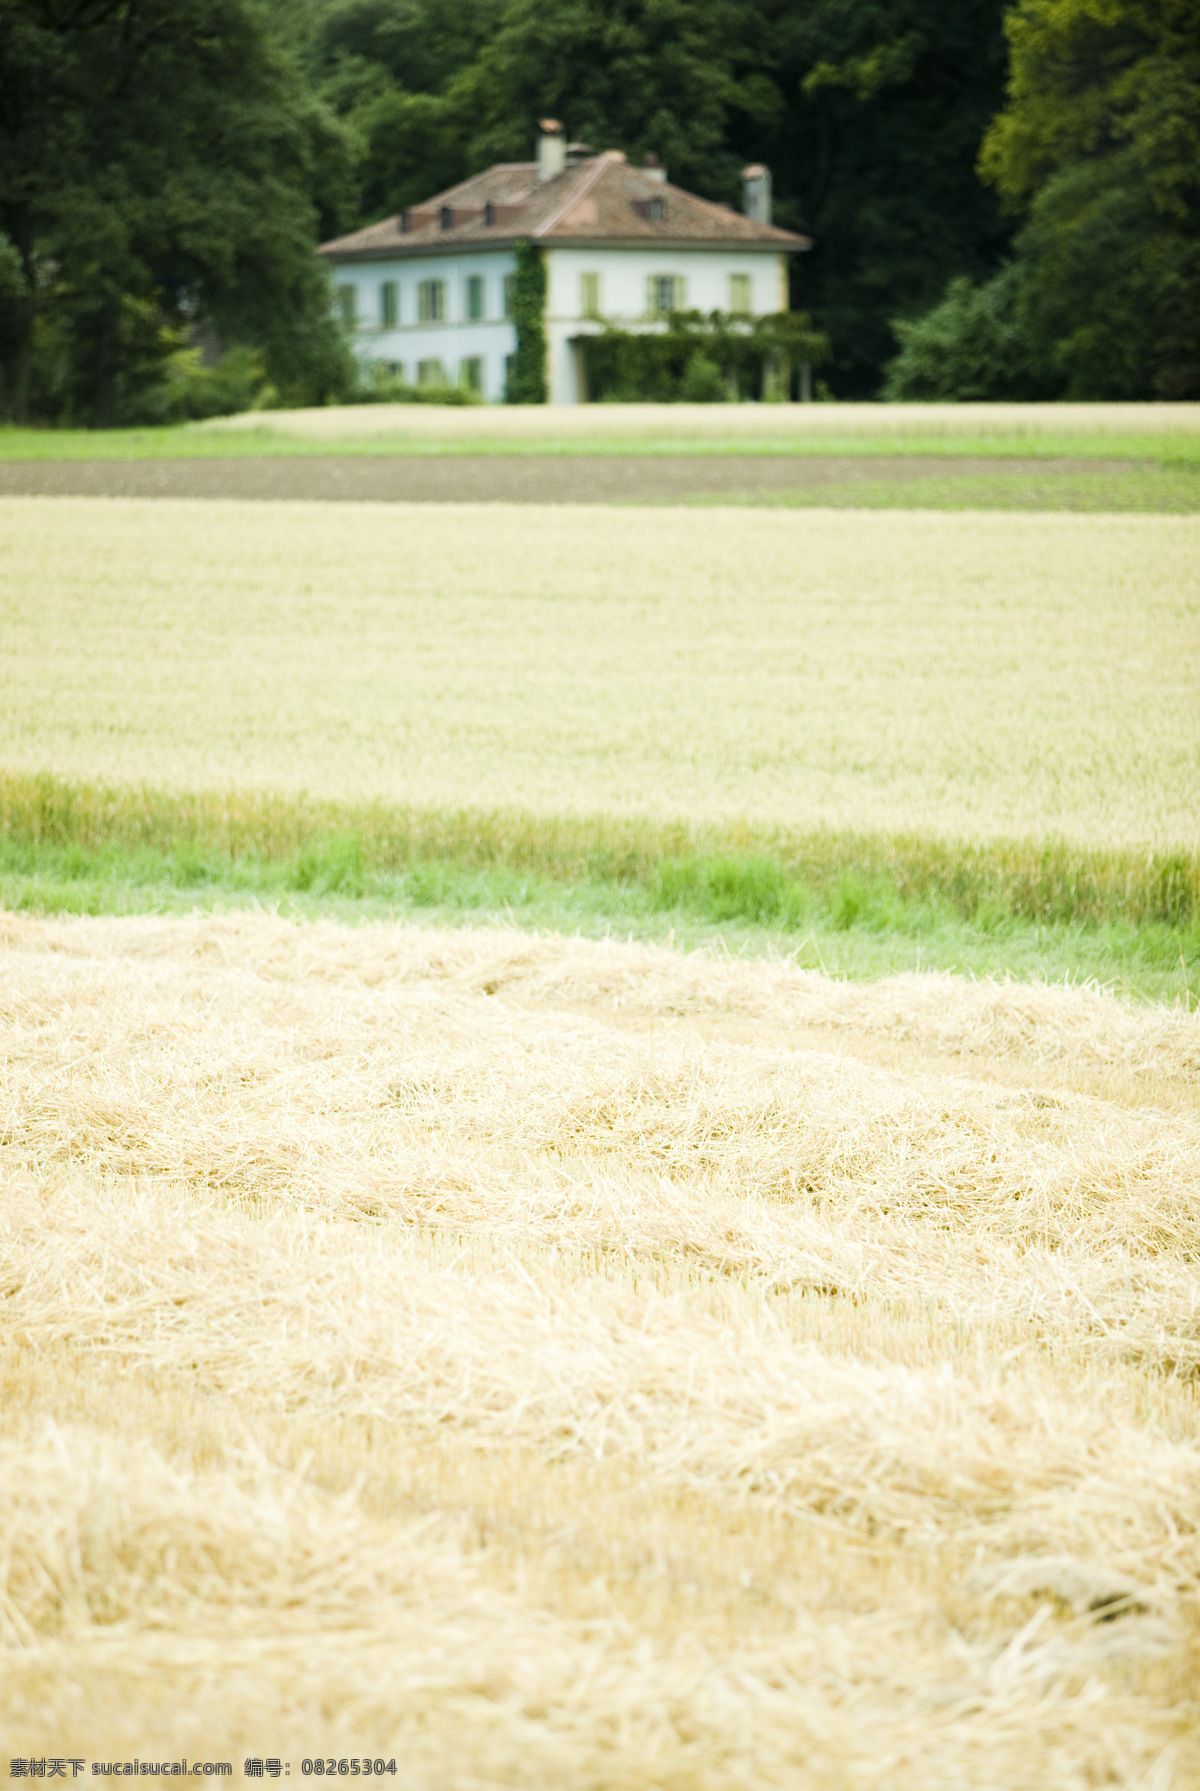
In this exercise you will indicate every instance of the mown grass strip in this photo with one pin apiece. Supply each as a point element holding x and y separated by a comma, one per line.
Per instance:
<point>191,442</point>
<point>757,874</point>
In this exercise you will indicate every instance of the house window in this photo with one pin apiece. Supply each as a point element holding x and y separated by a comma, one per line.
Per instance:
<point>589,295</point>
<point>430,373</point>
<point>739,293</point>
<point>431,301</point>
<point>347,304</point>
<point>475,296</point>
<point>446,217</point>
<point>656,211</point>
<point>489,214</point>
<point>389,305</point>
<point>510,295</point>
<point>665,293</point>
<point>470,373</point>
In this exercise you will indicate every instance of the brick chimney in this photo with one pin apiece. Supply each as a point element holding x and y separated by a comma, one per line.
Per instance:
<point>756,192</point>
<point>551,148</point>
<point>653,167</point>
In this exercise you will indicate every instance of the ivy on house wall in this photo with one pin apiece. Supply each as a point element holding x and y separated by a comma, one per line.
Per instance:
<point>527,379</point>
<point>702,359</point>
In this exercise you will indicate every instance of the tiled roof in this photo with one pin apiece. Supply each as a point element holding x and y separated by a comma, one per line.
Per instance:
<point>600,199</point>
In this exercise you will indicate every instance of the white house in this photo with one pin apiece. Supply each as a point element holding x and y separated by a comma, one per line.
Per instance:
<point>430,292</point>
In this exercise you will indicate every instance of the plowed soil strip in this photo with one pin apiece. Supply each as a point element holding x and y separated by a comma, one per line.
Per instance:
<point>571,480</point>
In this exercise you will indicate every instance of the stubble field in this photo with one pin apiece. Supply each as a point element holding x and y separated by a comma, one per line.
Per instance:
<point>563,1362</point>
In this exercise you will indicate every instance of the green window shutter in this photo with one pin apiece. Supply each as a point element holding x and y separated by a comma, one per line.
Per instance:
<point>389,309</point>
<point>431,301</point>
<point>652,295</point>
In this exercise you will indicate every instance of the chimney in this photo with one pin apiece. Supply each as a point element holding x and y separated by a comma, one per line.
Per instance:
<point>653,168</point>
<point>756,193</point>
<point>551,148</point>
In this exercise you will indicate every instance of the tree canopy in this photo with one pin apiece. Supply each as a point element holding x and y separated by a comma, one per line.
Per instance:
<point>158,164</point>
<point>1097,152</point>
<point>869,112</point>
<point>1008,198</point>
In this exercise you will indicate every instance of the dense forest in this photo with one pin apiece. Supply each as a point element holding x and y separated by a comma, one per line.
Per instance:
<point>1004,200</point>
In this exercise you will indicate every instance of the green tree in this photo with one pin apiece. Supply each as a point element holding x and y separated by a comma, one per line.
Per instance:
<point>1099,148</point>
<point>975,345</point>
<point>870,113</point>
<point>395,71</point>
<point>877,157</point>
<point>158,164</point>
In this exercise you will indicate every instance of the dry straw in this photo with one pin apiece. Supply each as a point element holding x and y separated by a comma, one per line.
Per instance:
<point>558,1362</point>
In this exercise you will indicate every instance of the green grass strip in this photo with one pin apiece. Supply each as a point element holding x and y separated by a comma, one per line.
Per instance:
<point>851,906</point>
<point>732,872</point>
<point>197,442</point>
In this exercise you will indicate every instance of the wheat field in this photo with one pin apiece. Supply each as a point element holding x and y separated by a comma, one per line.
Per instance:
<point>975,677</point>
<point>562,1363</point>
<point>691,424</point>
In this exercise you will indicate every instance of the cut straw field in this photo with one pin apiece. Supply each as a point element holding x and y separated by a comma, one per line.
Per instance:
<point>553,1362</point>
<point>578,1364</point>
<point>972,677</point>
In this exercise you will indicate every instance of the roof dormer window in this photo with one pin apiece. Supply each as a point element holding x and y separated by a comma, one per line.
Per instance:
<point>489,214</point>
<point>653,210</point>
<point>405,222</point>
<point>447,218</point>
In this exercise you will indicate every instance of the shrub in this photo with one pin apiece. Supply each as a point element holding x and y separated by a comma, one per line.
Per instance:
<point>378,385</point>
<point>973,345</point>
<point>703,382</point>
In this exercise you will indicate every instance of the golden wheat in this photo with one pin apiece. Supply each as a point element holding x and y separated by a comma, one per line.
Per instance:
<point>567,1363</point>
<point>967,676</point>
<point>690,423</point>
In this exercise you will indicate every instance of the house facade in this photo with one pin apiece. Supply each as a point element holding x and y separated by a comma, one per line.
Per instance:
<point>430,293</point>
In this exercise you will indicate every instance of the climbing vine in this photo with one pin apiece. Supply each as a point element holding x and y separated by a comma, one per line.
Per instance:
<point>527,380</point>
<point>704,359</point>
